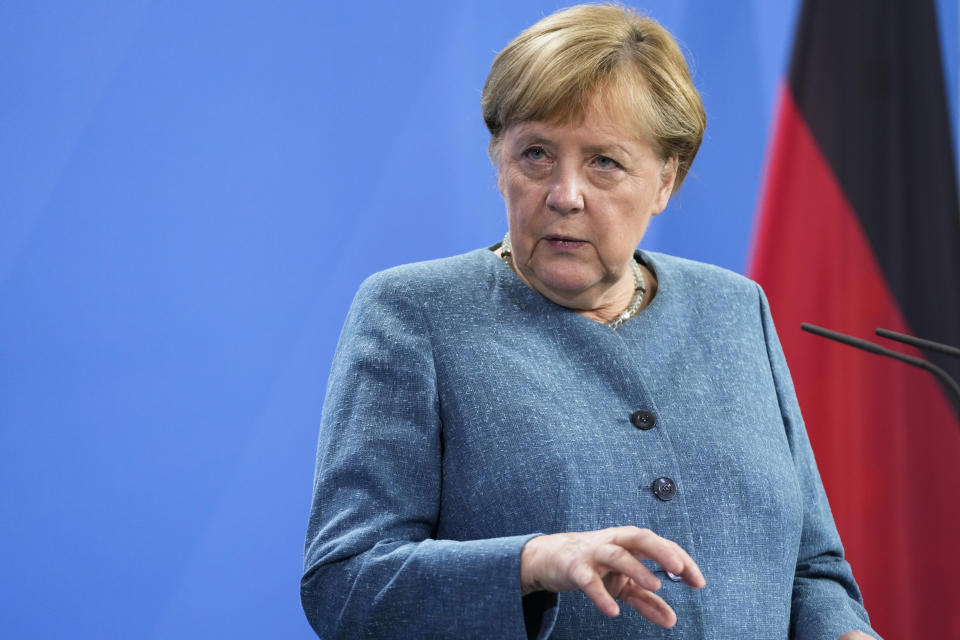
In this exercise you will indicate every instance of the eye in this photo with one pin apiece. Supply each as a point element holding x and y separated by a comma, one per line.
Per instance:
<point>603,162</point>
<point>535,153</point>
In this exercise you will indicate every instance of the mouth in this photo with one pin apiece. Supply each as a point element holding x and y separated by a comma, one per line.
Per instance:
<point>564,242</point>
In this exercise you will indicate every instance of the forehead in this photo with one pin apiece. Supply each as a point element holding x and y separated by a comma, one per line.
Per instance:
<point>597,125</point>
<point>615,109</point>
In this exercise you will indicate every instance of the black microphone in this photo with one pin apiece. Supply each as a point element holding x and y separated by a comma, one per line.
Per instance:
<point>918,342</point>
<point>866,345</point>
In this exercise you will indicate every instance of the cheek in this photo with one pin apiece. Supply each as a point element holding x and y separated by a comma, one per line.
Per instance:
<point>624,232</point>
<point>521,201</point>
<point>637,229</point>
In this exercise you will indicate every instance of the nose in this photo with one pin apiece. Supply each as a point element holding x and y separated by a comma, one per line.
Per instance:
<point>566,192</point>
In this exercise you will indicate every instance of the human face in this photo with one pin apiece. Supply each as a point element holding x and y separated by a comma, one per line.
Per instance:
<point>579,197</point>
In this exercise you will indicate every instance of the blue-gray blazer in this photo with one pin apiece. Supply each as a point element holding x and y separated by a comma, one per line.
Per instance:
<point>466,413</point>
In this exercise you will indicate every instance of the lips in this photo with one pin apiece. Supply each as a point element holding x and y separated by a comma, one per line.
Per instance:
<point>564,242</point>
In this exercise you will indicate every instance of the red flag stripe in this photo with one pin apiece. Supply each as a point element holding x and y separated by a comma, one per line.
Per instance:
<point>886,439</point>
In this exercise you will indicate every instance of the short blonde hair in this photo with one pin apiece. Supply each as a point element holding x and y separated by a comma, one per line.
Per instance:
<point>561,65</point>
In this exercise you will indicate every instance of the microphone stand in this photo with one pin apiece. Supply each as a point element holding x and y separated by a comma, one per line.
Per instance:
<point>918,342</point>
<point>866,345</point>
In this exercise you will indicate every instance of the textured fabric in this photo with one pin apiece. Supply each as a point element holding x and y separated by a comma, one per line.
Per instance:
<point>466,413</point>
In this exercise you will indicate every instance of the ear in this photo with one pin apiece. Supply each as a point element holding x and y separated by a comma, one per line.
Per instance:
<point>495,160</point>
<point>668,176</point>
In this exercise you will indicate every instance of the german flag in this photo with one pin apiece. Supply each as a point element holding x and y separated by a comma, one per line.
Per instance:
<point>858,228</point>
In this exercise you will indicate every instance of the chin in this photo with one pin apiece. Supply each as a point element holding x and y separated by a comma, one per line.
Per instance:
<point>568,282</point>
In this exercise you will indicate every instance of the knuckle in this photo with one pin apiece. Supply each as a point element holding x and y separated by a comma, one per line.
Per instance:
<point>582,575</point>
<point>611,554</point>
<point>677,562</point>
<point>581,548</point>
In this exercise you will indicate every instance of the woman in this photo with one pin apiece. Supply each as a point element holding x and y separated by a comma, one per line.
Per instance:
<point>517,438</point>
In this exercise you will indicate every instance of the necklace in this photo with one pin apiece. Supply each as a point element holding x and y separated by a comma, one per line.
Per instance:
<point>639,286</point>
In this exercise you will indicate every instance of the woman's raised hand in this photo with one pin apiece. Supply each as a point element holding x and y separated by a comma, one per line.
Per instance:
<point>606,566</point>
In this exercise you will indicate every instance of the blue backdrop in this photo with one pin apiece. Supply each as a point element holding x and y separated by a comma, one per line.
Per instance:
<point>190,193</point>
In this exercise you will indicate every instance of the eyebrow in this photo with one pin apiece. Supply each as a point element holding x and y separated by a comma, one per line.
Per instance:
<point>533,138</point>
<point>604,149</point>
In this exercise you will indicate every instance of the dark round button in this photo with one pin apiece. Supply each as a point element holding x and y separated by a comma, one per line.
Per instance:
<point>674,577</point>
<point>643,419</point>
<point>664,488</point>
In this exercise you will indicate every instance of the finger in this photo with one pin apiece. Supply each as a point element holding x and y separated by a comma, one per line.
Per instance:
<point>652,607</point>
<point>666,553</point>
<point>588,581</point>
<point>616,558</point>
<point>691,572</point>
<point>614,582</point>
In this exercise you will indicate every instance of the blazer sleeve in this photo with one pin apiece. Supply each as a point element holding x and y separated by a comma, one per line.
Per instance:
<point>372,567</point>
<point>826,600</point>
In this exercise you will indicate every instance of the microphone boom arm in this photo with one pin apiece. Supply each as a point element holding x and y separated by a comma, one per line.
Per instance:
<point>866,345</point>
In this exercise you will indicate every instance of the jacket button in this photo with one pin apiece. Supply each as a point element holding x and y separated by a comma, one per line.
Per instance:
<point>664,488</point>
<point>643,420</point>
<point>674,577</point>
